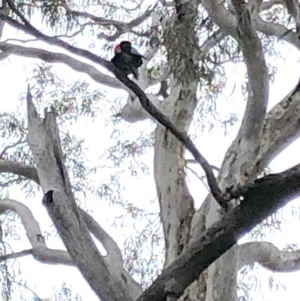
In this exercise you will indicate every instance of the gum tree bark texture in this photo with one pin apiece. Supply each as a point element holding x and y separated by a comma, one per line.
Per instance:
<point>43,138</point>
<point>175,201</point>
<point>248,155</point>
<point>194,240</point>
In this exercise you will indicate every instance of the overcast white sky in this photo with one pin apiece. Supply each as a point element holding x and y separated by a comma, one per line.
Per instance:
<point>212,145</point>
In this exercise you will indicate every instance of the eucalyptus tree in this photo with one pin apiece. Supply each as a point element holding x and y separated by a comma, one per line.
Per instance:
<point>186,44</point>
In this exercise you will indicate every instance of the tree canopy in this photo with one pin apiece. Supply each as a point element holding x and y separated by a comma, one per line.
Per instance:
<point>190,48</point>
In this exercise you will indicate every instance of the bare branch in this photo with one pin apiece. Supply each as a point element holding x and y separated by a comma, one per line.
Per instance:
<point>222,17</point>
<point>269,4</point>
<point>262,198</point>
<point>258,82</point>
<point>3,56</point>
<point>19,168</point>
<point>113,251</point>
<point>226,20</point>
<point>80,30</point>
<point>54,57</point>
<point>126,27</point>
<point>33,231</point>
<point>146,104</point>
<point>114,257</point>
<point>277,30</point>
<point>181,136</point>
<point>32,227</point>
<point>29,29</point>
<point>269,256</point>
<point>211,42</point>
<point>281,127</point>
<point>16,255</point>
<point>41,253</point>
<point>293,8</point>
<point>44,142</point>
<point>50,256</point>
<point>121,27</point>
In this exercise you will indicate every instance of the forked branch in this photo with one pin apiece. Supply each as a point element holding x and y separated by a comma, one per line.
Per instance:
<point>261,199</point>
<point>145,102</point>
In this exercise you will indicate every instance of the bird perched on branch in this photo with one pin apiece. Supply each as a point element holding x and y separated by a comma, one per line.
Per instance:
<point>127,59</point>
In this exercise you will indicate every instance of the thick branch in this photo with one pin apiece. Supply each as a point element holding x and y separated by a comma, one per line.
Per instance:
<point>19,168</point>
<point>114,257</point>
<point>293,8</point>
<point>269,4</point>
<point>226,20</point>
<point>44,142</point>
<point>222,17</point>
<point>32,227</point>
<point>260,200</point>
<point>33,231</point>
<point>281,127</point>
<point>277,30</point>
<point>111,247</point>
<point>270,257</point>
<point>50,256</point>
<point>54,57</point>
<point>258,92</point>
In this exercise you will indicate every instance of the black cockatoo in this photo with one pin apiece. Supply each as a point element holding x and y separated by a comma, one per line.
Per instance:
<point>127,59</point>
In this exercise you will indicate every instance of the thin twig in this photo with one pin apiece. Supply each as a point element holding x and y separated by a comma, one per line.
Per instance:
<point>180,135</point>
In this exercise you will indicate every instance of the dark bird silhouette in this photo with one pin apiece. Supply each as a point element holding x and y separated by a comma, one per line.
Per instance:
<point>127,59</point>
